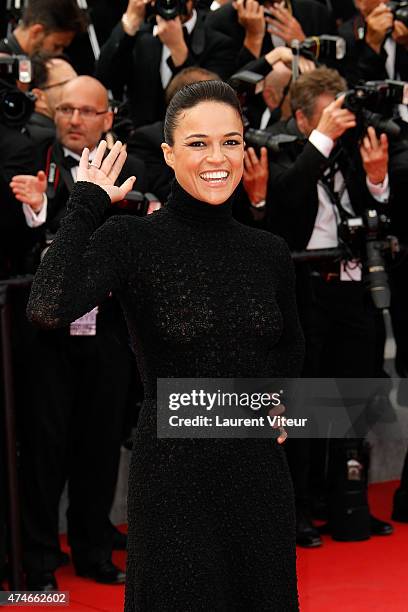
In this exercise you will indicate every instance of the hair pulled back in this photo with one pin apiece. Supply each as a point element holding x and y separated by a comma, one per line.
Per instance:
<point>195,93</point>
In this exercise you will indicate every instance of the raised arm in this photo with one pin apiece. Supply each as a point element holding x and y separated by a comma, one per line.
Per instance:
<point>87,260</point>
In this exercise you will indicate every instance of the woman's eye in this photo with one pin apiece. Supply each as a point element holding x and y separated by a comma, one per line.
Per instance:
<point>197,143</point>
<point>232,142</point>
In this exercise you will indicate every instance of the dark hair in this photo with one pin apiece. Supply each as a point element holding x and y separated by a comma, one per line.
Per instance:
<point>311,85</point>
<point>55,15</point>
<point>191,95</point>
<point>187,76</point>
<point>40,67</point>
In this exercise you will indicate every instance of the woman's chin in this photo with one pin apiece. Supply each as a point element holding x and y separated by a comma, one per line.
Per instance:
<point>214,194</point>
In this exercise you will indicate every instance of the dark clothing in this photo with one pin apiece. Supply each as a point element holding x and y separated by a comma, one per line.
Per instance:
<point>134,62</point>
<point>338,317</point>
<point>361,63</point>
<point>40,129</point>
<point>71,414</point>
<point>314,18</point>
<point>145,143</point>
<point>293,180</point>
<point>220,528</point>
<point>104,15</point>
<point>10,46</point>
<point>17,156</point>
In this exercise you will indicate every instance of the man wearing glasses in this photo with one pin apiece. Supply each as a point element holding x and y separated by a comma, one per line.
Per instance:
<point>78,377</point>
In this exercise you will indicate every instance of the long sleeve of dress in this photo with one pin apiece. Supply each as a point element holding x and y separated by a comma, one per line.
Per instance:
<point>86,261</point>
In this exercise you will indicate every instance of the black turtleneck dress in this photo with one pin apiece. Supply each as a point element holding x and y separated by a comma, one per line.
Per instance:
<point>211,521</point>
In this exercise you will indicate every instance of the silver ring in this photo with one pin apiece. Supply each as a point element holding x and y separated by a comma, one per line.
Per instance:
<point>93,165</point>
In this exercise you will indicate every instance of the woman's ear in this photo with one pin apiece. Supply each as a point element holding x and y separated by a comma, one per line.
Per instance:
<point>168,154</point>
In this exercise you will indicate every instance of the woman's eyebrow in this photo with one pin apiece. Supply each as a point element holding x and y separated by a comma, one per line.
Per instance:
<point>206,135</point>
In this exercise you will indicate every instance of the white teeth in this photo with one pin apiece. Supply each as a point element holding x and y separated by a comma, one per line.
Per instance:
<point>214,176</point>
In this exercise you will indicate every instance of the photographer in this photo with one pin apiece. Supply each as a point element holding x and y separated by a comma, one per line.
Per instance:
<point>47,26</point>
<point>312,188</point>
<point>253,34</point>
<point>271,104</point>
<point>144,57</point>
<point>50,74</point>
<point>80,388</point>
<point>376,43</point>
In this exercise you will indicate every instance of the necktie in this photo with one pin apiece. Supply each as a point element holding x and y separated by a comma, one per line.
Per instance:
<point>70,162</point>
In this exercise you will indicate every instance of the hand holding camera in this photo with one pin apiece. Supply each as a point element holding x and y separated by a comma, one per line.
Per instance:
<point>251,17</point>
<point>134,16</point>
<point>336,120</point>
<point>171,35</point>
<point>379,22</point>
<point>284,25</point>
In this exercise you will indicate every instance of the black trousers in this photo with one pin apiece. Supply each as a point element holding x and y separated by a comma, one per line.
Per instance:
<point>71,429</point>
<point>339,323</point>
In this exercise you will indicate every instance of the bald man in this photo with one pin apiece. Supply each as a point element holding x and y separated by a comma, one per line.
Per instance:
<point>74,416</point>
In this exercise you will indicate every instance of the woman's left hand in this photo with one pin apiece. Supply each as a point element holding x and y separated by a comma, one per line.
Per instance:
<point>104,171</point>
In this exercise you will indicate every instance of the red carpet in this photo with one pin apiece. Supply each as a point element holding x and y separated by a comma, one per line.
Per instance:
<point>367,576</point>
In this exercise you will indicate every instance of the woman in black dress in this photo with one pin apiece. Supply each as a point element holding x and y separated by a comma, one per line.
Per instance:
<point>211,522</point>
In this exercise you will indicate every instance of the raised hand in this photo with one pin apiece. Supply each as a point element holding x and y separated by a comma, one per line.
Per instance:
<point>284,24</point>
<point>170,32</point>
<point>251,16</point>
<point>285,55</point>
<point>30,189</point>
<point>134,16</point>
<point>336,120</point>
<point>379,21</point>
<point>256,174</point>
<point>374,153</point>
<point>104,172</point>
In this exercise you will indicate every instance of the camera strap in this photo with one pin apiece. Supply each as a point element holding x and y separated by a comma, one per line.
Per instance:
<point>327,181</point>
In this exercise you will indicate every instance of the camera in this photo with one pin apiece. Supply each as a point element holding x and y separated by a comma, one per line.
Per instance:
<point>372,103</point>
<point>399,11</point>
<point>368,239</point>
<point>274,142</point>
<point>167,9</point>
<point>323,47</point>
<point>15,106</point>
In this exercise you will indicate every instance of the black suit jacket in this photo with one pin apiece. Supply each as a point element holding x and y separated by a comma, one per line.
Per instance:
<point>361,62</point>
<point>17,156</point>
<point>314,18</point>
<point>134,62</point>
<point>292,191</point>
<point>145,143</point>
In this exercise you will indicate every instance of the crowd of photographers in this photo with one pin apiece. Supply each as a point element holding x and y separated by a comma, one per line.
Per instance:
<point>326,166</point>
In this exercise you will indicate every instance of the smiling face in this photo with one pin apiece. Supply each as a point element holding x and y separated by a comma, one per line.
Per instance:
<point>207,155</point>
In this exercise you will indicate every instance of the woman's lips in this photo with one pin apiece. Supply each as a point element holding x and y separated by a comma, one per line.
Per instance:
<point>215,177</point>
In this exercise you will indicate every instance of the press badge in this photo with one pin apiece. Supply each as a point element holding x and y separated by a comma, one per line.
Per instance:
<point>85,325</point>
<point>350,271</point>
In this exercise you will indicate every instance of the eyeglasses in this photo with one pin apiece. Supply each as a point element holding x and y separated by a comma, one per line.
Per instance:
<point>86,112</point>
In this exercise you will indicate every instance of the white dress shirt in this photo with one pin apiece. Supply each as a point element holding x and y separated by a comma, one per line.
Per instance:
<point>324,235</point>
<point>390,47</point>
<point>35,219</point>
<point>165,72</point>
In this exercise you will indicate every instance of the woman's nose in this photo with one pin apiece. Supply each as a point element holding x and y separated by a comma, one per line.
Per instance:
<point>216,154</point>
